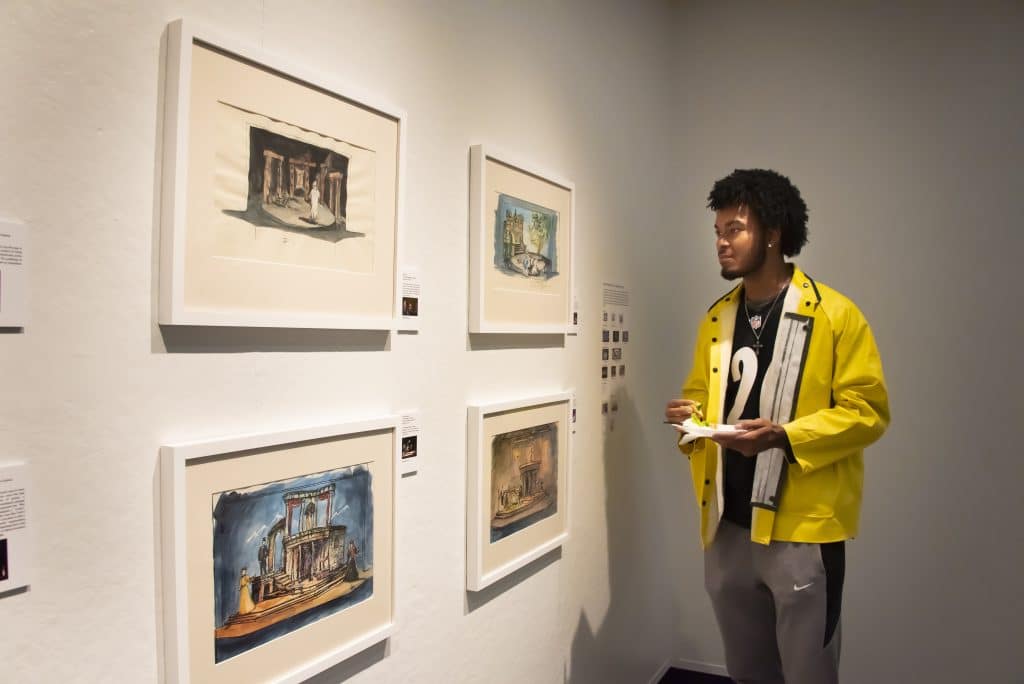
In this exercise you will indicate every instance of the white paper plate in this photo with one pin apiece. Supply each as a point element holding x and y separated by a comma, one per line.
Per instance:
<point>691,428</point>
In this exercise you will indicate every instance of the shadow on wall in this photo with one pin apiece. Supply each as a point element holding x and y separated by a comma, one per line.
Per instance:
<point>623,648</point>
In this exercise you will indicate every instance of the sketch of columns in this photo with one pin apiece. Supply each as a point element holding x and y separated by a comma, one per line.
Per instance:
<point>272,165</point>
<point>300,172</point>
<point>334,194</point>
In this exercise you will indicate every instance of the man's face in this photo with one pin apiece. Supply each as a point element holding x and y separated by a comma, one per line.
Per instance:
<point>740,242</point>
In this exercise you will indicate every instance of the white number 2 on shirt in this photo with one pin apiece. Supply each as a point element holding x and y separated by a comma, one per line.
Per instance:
<point>744,370</point>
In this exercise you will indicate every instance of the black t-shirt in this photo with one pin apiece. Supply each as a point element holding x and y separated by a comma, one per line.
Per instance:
<point>746,374</point>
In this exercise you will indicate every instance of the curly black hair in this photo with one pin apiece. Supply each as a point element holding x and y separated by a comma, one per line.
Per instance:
<point>772,198</point>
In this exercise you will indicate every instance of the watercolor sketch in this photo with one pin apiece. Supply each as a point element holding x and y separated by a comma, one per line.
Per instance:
<point>524,478</point>
<point>289,553</point>
<point>525,239</point>
<point>297,187</point>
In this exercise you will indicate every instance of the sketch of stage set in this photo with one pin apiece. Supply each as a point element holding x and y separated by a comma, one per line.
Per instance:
<point>296,186</point>
<point>524,476</point>
<point>289,553</point>
<point>525,241</point>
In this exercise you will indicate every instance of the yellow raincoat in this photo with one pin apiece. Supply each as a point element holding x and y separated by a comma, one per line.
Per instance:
<point>841,407</point>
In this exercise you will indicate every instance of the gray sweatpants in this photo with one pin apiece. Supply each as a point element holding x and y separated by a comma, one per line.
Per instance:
<point>777,615</point>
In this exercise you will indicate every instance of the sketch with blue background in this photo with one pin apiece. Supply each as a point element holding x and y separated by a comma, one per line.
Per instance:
<point>525,239</point>
<point>289,553</point>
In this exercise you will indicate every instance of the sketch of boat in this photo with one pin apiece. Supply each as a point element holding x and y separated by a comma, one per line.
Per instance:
<point>529,264</point>
<point>315,567</point>
<point>529,497</point>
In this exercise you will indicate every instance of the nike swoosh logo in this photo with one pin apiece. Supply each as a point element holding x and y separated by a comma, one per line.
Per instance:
<point>797,588</point>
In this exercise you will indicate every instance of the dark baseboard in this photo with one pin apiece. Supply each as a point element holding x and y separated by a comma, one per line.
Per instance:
<point>677,676</point>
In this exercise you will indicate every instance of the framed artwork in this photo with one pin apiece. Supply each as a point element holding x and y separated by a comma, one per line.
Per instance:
<point>278,551</point>
<point>517,484</point>
<point>521,246</point>
<point>281,195</point>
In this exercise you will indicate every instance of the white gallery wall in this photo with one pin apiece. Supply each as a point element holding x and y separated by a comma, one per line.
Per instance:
<point>899,125</point>
<point>93,386</point>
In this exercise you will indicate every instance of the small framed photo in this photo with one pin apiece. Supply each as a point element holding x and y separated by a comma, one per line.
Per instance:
<point>278,551</point>
<point>409,447</point>
<point>410,306</point>
<point>282,193</point>
<point>521,246</point>
<point>517,485</point>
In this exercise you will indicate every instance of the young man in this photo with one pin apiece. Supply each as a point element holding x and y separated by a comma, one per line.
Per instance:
<point>793,364</point>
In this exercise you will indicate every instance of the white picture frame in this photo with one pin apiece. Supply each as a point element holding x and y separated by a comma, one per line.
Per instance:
<point>310,606</point>
<point>513,289</point>
<point>230,257</point>
<point>518,452</point>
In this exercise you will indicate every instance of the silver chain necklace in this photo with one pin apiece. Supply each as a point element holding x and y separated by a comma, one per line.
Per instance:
<point>755,322</point>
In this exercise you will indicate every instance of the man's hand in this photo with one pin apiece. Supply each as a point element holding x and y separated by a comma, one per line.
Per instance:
<point>678,410</point>
<point>760,434</point>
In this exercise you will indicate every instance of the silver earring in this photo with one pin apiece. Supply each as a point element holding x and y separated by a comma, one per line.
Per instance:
<point>769,244</point>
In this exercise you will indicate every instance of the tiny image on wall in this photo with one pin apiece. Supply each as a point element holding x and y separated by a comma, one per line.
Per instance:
<point>409,447</point>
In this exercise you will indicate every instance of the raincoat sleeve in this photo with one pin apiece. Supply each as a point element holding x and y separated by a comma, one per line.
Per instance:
<point>859,411</point>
